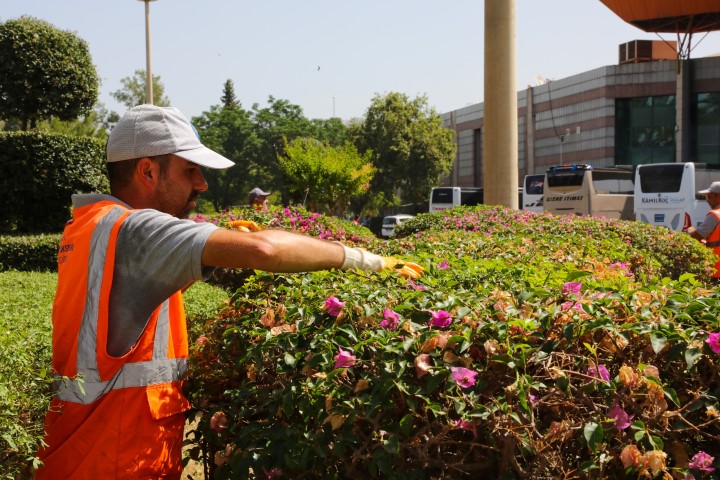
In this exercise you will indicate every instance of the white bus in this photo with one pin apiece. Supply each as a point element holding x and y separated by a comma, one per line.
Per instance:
<point>666,193</point>
<point>532,197</point>
<point>586,190</point>
<point>442,198</point>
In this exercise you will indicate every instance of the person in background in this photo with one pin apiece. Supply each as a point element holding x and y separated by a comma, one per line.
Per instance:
<point>708,231</point>
<point>119,337</point>
<point>259,200</point>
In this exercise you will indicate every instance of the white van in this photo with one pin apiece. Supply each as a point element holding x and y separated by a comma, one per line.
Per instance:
<point>532,197</point>
<point>391,221</point>
<point>666,193</point>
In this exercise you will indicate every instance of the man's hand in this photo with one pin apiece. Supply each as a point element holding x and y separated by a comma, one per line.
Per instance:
<point>405,269</point>
<point>244,226</point>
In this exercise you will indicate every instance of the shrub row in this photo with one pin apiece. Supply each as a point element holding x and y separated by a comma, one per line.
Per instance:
<point>28,253</point>
<point>530,348</point>
<point>38,174</point>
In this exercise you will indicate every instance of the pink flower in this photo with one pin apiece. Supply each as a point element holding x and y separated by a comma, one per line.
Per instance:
<point>334,306</point>
<point>465,425</point>
<point>568,305</point>
<point>440,319</point>
<point>600,372</point>
<point>571,288</point>
<point>344,359</point>
<point>218,421</point>
<point>714,342</point>
<point>415,286</point>
<point>272,473</point>
<point>622,419</point>
<point>702,461</point>
<point>463,376</point>
<point>390,319</point>
<point>444,265</point>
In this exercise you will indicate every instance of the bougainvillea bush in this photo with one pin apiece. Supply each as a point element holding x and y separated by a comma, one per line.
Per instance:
<point>532,347</point>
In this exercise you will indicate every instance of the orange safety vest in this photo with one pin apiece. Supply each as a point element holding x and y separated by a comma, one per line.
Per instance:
<point>713,241</point>
<point>112,417</point>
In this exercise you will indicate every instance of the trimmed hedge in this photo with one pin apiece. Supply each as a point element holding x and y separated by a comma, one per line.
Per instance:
<point>38,174</point>
<point>29,253</point>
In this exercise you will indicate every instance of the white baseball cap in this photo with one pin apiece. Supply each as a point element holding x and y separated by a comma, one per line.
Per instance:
<point>713,188</point>
<point>149,130</point>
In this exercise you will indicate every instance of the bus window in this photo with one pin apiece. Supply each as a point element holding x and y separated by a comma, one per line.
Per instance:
<point>661,178</point>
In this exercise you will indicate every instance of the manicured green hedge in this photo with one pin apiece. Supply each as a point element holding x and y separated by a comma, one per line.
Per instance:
<point>38,174</point>
<point>549,347</point>
<point>29,253</point>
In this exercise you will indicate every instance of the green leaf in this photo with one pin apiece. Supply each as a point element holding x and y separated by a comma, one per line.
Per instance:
<point>593,434</point>
<point>406,424</point>
<point>692,355</point>
<point>658,342</point>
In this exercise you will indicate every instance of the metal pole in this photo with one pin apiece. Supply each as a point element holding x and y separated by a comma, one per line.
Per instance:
<point>148,67</point>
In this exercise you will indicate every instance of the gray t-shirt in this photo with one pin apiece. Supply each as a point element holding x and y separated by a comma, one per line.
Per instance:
<point>156,255</point>
<point>708,225</point>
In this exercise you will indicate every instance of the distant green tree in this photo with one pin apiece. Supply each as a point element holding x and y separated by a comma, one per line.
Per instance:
<point>133,91</point>
<point>229,100</point>
<point>275,124</point>
<point>230,132</point>
<point>329,177</point>
<point>96,124</point>
<point>331,130</point>
<point>411,149</point>
<point>44,73</point>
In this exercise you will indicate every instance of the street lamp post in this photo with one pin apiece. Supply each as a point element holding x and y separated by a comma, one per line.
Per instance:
<point>148,67</point>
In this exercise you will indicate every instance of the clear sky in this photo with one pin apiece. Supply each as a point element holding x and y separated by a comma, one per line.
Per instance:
<point>332,57</point>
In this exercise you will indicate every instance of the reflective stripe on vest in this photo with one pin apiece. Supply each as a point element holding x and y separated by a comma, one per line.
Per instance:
<point>713,241</point>
<point>88,387</point>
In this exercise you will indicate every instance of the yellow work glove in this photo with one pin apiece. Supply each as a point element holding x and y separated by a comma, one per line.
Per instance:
<point>364,260</point>
<point>244,226</point>
<point>405,269</point>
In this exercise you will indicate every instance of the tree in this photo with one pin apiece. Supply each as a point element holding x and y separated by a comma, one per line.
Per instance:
<point>411,149</point>
<point>96,124</point>
<point>230,132</point>
<point>133,91</point>
<point>331,177</point>
<point>44,73</point>
<point>229,100</point>
<point>275,125</point>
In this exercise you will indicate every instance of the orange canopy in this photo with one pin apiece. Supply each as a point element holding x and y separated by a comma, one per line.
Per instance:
<point>668,16</point>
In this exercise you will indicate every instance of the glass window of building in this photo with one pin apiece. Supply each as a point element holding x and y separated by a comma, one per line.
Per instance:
<point>707,138</point>
<point>645,130</point>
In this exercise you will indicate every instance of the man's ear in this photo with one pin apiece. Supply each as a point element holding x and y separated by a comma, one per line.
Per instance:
<point>148,172</point>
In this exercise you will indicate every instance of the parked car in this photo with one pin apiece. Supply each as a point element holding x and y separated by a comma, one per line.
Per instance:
<point>391,221</point>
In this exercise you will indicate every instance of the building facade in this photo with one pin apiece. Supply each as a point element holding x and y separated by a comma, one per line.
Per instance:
<point>626,114</point>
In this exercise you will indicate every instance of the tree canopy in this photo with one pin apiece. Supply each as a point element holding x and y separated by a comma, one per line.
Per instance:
<point>133,91</point>
<point>411,149</point>
<point>329,177</point>
<point>44,72</point>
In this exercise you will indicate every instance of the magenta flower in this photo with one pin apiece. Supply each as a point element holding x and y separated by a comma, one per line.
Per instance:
<point>444,265</point>
<point>622,419</point>
<point>334,306</point>
<point>463,376</point>
<point>599,372</point>
<point>390,319</point>
<point>702,461</point>
<point>415,286</point>
<point>571,288</point>
<point>714,342</point>
<point>465,425</point>
<point>344,359</point>
<point>440,319</point>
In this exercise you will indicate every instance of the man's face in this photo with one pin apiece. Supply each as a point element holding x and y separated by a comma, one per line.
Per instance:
<point>713,199</point>
<point>178,190</point>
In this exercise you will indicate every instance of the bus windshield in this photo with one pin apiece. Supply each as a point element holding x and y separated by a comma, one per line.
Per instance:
<point>661,178</point>
<point>565,179</point>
